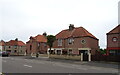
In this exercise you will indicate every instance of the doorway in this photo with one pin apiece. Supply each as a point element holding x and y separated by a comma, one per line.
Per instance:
<point>85,54</point>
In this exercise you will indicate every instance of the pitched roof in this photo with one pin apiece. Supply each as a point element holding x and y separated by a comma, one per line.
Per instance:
<point>115,30</point>
<point>40,38</point>
<point>76,32</point>
<point>20,43</point>
<point>13,42</point>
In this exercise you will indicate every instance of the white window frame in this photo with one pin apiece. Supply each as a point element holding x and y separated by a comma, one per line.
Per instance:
<point>70,41</point>
<point>59,42</point>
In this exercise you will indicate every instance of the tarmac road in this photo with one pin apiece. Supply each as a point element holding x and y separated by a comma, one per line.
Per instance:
<point>22,65</point>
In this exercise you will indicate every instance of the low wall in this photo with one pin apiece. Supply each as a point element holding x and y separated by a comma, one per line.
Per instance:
<point>67,57</point>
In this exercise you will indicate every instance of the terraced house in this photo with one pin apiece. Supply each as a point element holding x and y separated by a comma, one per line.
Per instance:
<point>37,44</point>
<point>75,41</point>
<point>15,47</point>
<point>113,41</point>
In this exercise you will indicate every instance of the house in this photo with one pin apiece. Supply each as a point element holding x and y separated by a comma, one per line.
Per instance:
<point>113,41</point>
<point>15,47</point>
<point>37,44</point>
<point>74,41</point>
<point>2,45</point>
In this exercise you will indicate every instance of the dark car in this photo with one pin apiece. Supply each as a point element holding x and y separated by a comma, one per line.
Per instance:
<point>4,53</point>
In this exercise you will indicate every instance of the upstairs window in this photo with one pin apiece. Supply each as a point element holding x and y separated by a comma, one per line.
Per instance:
<point>15,46</point>
<point>59,42</point>
<point>114,39</point>
<point>83,41</point>
<point>30,47</point>
<point>38,44</point>
<point>45,44</point>
<point>70,41</point>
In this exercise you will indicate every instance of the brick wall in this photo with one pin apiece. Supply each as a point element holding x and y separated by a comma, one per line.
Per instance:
<point>41,48</point>
<point>110,42</point>
<point>89,43</point>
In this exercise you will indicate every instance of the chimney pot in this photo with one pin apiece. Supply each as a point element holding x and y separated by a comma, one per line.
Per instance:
<point>71,27</point>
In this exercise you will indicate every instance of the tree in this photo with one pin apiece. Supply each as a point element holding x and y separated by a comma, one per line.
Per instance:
<point>50,40</point>
<point>103,51</point>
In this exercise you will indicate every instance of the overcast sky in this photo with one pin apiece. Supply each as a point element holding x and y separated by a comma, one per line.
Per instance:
<point>24,18</point>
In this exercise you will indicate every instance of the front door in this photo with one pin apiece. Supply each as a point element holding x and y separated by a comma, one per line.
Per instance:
<point>85,54</point>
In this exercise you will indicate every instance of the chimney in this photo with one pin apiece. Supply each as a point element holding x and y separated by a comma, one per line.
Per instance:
<point>45,34</point>
<point>71,27</point>
<point>16,39</point>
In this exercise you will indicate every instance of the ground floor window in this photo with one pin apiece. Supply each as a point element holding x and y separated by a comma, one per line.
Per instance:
<point>15,51</point>
<point>70,52</point>
<point>8,50</point>
<point>114,52</point>
<point>20,50</point>
<point>58,52</point>
<point>51,51</point>
<point>64,52</point>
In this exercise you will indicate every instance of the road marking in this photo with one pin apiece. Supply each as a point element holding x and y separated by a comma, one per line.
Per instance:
<point>27,65</point>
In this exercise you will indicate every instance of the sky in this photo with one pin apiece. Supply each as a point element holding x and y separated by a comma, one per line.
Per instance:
<point>24,18</point>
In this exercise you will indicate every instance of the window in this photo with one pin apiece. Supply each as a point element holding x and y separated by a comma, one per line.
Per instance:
<point>70,51</point>
<point>58,52</point>
<point>112,52</point>
<point>9,46</point>
<point>59,42</point>
<point>8,50</point>
<point>20,46</point>
<point>83,41</point>
<point>38,44</point>
<point>30,47</point>
<point>114,39</point>
<point>70,41</point>
<point>15,46</point>
<point>15,51</point>
<point>45,44</point>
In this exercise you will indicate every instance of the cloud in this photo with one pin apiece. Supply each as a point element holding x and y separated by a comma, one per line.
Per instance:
<point>25,18</point>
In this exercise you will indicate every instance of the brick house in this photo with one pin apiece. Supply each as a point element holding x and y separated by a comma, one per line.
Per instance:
<point>75,40</point>
<point>37,44</point>
<point>15,47</point>
<point>2,45</point>
<point>113,41</point>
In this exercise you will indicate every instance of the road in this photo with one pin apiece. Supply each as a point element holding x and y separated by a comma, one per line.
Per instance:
<point>22,65</point>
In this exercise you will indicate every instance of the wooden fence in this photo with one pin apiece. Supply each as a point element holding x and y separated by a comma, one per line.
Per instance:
<point>113,58</point>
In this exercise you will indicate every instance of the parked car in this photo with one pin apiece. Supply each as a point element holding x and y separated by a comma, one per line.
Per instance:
<point>4,53</point>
